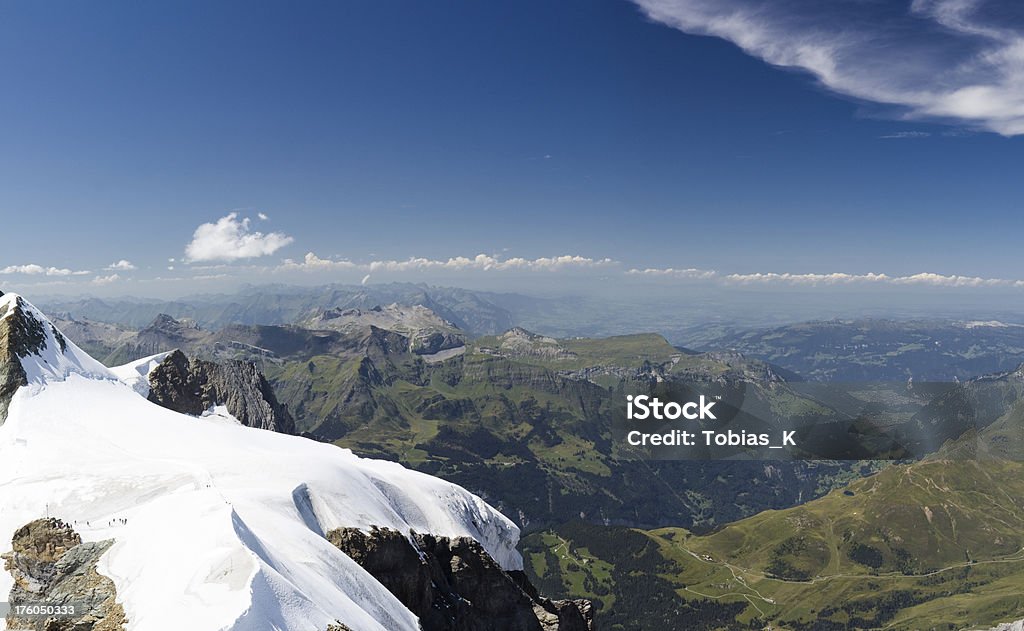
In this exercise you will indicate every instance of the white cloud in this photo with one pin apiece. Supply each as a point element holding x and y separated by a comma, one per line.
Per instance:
<point>262,216</point>
<point>833,278</point>
<point>38,270</point>
<point>480,262</point>
<point>122,265</point>
<point>485,262</point>
<point>939,280</point>
<point>955,60</point>
<point>688,273</point>
<point>313,263</point>
<point>230,239</point>
<point>106,280</point>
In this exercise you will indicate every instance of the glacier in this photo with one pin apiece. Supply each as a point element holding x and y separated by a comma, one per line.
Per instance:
<point>216,526</point>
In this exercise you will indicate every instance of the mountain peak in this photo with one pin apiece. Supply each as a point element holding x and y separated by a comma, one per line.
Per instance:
<point>164,322</point>
<point>25,328</point>
<point>34,351</point>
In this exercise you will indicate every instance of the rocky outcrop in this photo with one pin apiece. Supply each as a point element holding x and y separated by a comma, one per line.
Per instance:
<point>194,386</point>
<point>425,331</point>
<point>430,343</point>
<point>518,342</point>
<point>52,567</point>
<point>1009,626</point>
<point>12,374</point>
<point>454,585</point>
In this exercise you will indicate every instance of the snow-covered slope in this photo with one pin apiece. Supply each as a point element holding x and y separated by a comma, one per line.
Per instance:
<point>216,526</point>
<point>136,373</point>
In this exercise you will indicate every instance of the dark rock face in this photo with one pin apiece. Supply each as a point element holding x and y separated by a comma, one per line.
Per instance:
<point>436,342</point>
<point>379,343</point>
<point>192,386</point>
<point>12,374</point>
<point>52,566</point>
<point>454,585</point>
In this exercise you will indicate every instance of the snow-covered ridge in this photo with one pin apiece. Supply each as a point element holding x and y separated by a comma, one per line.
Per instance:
<point>216,525</point>
<point>50,356</point>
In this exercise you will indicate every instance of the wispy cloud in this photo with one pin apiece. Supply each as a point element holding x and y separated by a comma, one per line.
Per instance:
<point>956,60</point>
<point>231,239</point>
<point>38,270</point>
<point>907,134</point>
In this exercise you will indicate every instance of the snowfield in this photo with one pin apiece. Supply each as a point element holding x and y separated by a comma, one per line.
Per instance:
<point>136,373</point>
<point>216,525</point>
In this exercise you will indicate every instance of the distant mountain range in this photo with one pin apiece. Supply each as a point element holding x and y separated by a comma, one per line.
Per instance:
<point>884,350</point>
<point>472,312</point>
<point>868,349</point>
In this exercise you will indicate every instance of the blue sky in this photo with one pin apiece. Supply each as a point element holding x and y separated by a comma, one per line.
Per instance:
<point>587,138</point>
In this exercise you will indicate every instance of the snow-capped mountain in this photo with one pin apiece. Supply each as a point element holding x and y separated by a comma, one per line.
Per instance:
<point>214,525</point>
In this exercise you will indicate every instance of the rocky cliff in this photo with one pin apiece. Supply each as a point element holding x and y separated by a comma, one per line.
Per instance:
<point>52,567</point>
<point>194,386</point>
<point>12,374</point>
<point>454,585</point>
